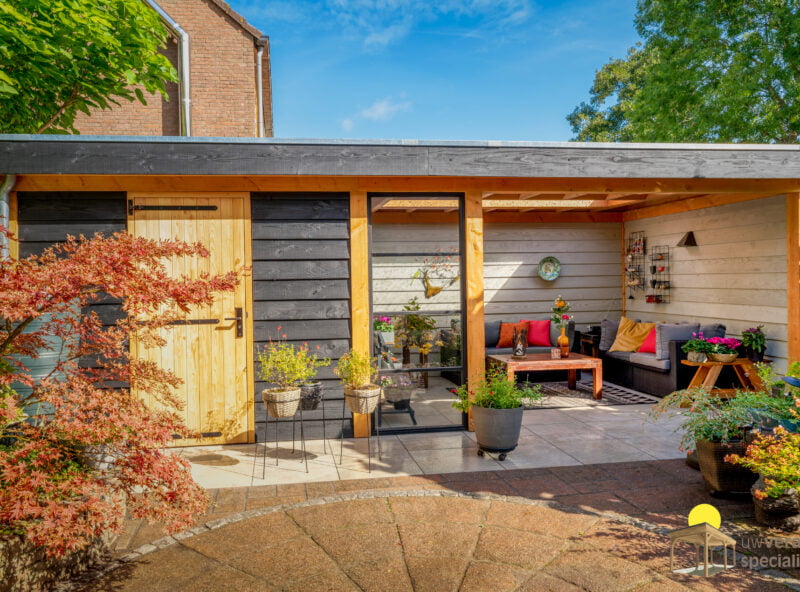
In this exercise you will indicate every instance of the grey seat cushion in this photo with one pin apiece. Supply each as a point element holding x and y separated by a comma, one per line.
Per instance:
<point>620,355</point>
<point>491,333</point>
<point>666,332</point>
<point>649,360</point>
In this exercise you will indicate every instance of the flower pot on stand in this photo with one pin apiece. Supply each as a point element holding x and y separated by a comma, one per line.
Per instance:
<point>362,400</point>
<point>281,402</point>
<point>310,395</point>
<point>563,343</point>
<point>497,430</point>
<point>398,396</point>
<point>720,475</point>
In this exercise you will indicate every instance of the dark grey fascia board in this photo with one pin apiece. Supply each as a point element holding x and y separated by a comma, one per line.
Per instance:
<point>136,155</point>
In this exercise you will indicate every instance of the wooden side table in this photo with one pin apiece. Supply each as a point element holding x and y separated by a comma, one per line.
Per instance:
<point>590,344</point>
<point>708,372</point>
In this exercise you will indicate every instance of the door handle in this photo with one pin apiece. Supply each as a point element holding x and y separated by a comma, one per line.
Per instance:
<point>239,318</point>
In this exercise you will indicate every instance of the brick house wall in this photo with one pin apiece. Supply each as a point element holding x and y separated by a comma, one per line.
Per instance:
<point>222,47</point>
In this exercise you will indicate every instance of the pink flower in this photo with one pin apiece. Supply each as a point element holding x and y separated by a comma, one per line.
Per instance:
<point>565,317</point>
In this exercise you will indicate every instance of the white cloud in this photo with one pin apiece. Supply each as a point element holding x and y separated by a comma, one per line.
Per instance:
<point>384,109</point>
<point>347,124</point>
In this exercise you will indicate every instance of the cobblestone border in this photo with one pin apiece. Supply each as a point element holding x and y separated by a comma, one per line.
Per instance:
<point>167,541</point>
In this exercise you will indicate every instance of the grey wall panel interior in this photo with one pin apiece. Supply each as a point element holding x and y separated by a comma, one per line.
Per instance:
<point>301,274</point>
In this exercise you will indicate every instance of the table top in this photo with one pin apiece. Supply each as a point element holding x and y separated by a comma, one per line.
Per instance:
<point>545,362</point>
<point>736,362</point>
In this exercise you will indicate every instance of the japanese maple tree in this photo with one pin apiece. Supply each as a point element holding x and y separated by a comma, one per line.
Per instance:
<point>68,476</point>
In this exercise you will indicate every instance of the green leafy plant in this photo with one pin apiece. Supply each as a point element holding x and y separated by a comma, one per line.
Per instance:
<point>496,391</point>
<point>560,309</point>
<point>708,417</point>
<point>356,370</point>
<point>754,338</point>
<point>287,366</point>
<point>769,377</point>
<point>698,344</point>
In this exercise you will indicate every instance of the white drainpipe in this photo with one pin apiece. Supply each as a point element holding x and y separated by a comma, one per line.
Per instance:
<point>183,67</point>
<point>260,85</point>
<point>5,213</point>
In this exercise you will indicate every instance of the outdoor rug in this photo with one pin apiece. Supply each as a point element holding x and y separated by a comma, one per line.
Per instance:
<point>557,395</point>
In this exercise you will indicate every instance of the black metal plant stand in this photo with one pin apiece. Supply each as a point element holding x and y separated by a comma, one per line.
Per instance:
<point>369,437</point>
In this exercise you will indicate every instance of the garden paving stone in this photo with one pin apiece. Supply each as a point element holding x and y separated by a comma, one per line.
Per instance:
<point>528,550</point>
<point>436,574</point>
<point>482,576</point>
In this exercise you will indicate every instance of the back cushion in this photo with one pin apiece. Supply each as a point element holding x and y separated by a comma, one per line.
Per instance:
<point>608,332</point>
<point>507,330</point>
<point>492,333</point>
<point>713,330</point>
<point>630,335</point>
<point>539,332</point>
<point>666,332</point>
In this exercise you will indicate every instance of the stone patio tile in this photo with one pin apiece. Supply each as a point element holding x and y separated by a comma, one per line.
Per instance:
<point>360,484</point>
<point>593,451</point>
<point>229,500</point>
<point>663,585</point>
<point>450,510</point>
<point>413,442</point>
<point>290,489</point>
<point>237,539</point>
<point>580,474</point>
<point>542,456</point>
<point>296,559</point>
<point>598,572</point>
<point>495,486</point>
<point>541,581</point>
<point>481,577</point>
<point>233,579</point>
<point>269,502</point>
<point>640,475</point>
<point>438,539</point>
<point>538,416</point>
<point>528,550</point>
<point>664,499</point>
<point>436,574</point>
<point>603,502</point>
<point>599,486</point>
<point>388,575</point>
<point>525,473</point>
<point>324,488</point>
<point>468,476</point>
<point>538,519</point>
<point>318,519</point>
<point>328,580</point>
<point>379,542</point>
<point>453,459</point>
<point>259,491</point>
<point>542,487</point>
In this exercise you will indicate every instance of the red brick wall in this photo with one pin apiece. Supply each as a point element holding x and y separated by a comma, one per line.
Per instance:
<point>223,82</point>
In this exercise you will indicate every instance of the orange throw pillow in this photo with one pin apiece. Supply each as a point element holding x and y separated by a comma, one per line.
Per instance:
<point>649,344</point>
<point>630,335</point>
<point>507,333</point>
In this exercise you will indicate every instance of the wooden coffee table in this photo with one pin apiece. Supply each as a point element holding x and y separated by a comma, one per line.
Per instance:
<point>541,362</point>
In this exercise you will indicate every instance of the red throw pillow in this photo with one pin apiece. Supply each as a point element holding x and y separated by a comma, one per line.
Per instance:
<point>649,344</point>
<point>538,332</point>
<point>507,333</point>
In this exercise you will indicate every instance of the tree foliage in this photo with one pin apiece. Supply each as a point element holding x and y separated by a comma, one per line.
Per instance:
<point>706,71</point>
<point>58,57</point>
<point>67,477</point>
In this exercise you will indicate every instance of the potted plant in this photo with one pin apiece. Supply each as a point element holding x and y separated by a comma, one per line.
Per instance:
<point>397,389</point>
<point>497,408</point>
<point>287,367</point>
<point>311,391</point>
<point>755,343</point>
<point>724,349</point>
<point>697,348</point>
<point>716,428</point>
<point>384,326</point>
<point>357,372</point>
<point>561,319</point>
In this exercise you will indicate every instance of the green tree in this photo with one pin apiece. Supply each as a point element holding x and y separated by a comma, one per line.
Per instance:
<point>58,57</point>
<point>706,71</point>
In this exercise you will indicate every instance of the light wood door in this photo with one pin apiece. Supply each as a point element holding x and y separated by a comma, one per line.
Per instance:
<point>209,351</point>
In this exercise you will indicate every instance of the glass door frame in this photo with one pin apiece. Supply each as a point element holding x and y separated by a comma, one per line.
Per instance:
<point>460,196</point>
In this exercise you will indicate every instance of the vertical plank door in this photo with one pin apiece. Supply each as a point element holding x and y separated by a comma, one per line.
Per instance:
<point>209,350</point>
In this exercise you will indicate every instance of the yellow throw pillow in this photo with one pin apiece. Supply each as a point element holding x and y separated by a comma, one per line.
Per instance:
<point>630,335</point>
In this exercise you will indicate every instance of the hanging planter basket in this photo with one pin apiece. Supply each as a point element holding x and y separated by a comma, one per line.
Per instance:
<point>280,402</point>
<point>362,400</point>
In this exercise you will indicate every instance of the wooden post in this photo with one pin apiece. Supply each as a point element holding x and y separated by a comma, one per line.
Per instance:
<point>13,225</point>
<point>473,272</point>
<point>622,248</point>
<point>793,275</point>
<point>359,291</point>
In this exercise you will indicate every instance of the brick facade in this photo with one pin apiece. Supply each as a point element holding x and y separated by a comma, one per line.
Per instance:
<point>223,81</point>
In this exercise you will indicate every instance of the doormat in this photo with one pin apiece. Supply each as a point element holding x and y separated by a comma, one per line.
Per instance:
<point>557,395</point>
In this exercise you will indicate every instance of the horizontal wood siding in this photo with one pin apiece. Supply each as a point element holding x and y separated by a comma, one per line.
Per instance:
<point>590,277</point>
<point>301,277</point>
<point>736,275</point>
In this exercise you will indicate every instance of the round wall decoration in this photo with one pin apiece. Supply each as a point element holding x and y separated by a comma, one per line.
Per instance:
<point>549,268</point>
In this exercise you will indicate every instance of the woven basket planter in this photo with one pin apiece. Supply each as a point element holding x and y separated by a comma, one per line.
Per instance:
<point>722,357</point>
<point>362,400</point>
<point>280,402</point>
<point>720,475</point>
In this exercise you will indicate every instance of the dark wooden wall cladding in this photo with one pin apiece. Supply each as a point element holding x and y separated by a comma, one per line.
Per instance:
<point>301,275</point>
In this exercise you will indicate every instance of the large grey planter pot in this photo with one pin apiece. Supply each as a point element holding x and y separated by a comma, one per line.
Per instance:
<point>781,512</point>
<point>497,430</point>
<point>720,475</point>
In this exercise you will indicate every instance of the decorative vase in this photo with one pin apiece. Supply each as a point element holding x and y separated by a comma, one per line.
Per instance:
<point>563,343</point>
<point>497,430</point>
<point>723,357</point>
<point>696,356</point>
<point>720,475</point>
<point>520,343</point>
<point>281,402</point>
<point>364,399</point>
<point>310,395</point>
<point>781,512</point>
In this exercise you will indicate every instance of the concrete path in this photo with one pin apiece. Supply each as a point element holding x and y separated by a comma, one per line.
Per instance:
<point>598,527</point>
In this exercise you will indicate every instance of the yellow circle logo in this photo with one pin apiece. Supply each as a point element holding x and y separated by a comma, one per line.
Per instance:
<point>705,513</point>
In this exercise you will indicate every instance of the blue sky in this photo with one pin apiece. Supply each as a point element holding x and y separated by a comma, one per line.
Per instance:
<point>436,69</point>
